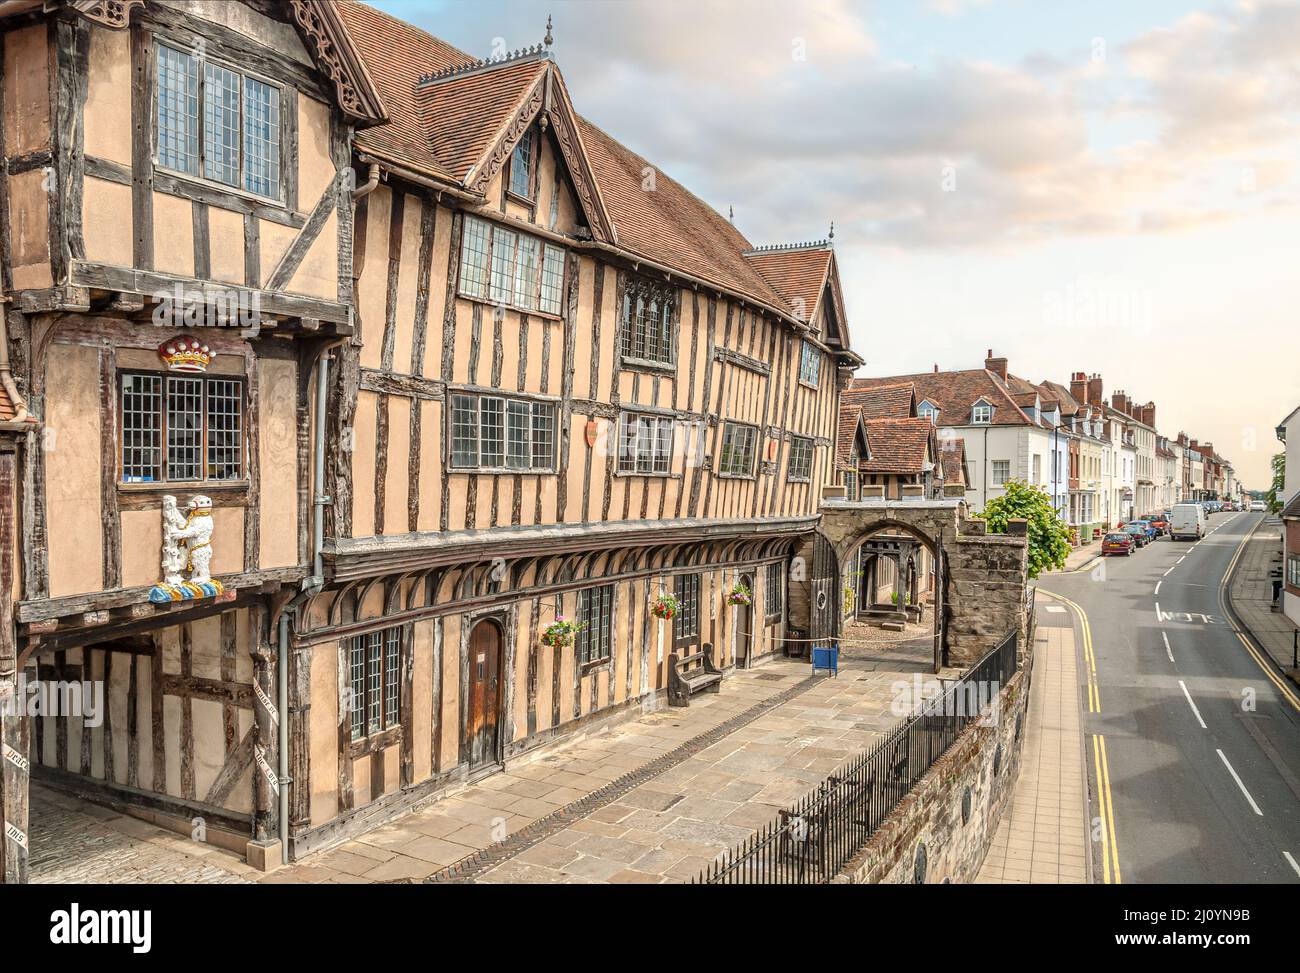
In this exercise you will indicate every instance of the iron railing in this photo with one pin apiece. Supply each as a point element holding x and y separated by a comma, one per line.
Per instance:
<point>810,842</point>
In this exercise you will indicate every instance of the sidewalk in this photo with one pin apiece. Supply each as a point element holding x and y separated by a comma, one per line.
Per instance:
<point>1079,558</point>
<point>1041,838</point>
<point>1251,594</point>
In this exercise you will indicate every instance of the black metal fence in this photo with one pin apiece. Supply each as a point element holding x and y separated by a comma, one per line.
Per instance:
<point>810,842</point>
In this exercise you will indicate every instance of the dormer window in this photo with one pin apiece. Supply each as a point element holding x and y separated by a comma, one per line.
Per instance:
<point>981,414</point>
<point>927,411</point>
<point>521,167</point>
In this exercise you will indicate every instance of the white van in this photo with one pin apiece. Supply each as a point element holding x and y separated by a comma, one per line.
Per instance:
<point>1187,520</point>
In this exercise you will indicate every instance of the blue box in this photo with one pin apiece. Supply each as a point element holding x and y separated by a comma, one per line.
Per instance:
<point>827,658</point>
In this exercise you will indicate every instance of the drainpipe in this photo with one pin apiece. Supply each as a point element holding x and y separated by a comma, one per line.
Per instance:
<point>372,180</point>
<point>310,586</point>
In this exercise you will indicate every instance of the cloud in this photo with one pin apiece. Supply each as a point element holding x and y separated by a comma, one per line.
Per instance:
<point>795,115</point>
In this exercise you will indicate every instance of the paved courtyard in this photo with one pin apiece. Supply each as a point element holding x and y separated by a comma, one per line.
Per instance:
<point>651,800</point>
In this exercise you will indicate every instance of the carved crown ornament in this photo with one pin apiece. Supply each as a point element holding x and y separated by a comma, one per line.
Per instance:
<point>185,354</point>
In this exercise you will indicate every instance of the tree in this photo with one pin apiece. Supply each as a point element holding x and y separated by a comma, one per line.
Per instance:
<point>1279,483</point>
<point>1049,535</point>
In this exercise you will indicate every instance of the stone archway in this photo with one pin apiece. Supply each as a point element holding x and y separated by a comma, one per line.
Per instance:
<point>981,580</point>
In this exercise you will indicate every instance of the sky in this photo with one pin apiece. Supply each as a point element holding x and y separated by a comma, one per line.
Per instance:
<point>1107,186</point>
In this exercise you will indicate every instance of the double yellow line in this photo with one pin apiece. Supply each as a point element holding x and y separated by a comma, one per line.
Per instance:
<point>1106,809</point>
<point>1101,766</point>
<point>1089,656</point>
<point>1265,665</point>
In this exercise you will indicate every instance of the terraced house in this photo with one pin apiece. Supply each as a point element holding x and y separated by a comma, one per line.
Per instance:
<point>483,369</point>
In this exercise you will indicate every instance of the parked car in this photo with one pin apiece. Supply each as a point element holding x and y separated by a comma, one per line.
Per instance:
<point>1137,531</point>
<point>1118,542</point>
<point>1152,533</point>
<point>1258,506</point>
<point>1160,522</point>
<point>1187,521</point>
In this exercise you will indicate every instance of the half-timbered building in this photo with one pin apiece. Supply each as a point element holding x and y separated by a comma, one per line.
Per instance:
<point>391,361</point>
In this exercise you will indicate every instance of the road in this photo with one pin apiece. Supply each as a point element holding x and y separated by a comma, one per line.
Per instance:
<point>1193,752</point>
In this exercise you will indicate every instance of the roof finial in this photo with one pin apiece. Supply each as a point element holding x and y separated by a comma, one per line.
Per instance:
<point>831,235</point>
<point>549,40</point>
<point>731,214</point>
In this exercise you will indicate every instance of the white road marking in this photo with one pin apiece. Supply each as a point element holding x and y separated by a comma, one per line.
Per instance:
<point>1253,805</point>
<point>1198,714</point>
<point>1158,584</point>
<point>1181,560</point>
<point>1055,608</point>
<point>1168,651</point>
<point>1292,861</point>
<point>1171,567</point>
<point>1159,617</point>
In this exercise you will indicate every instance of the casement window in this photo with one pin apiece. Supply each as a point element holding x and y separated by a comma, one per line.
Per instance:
<point>510,268</point>
<point>1293,570</point>
<point>774,591</point>
<point>738,443</point>
<point>981,414</point>
<point>850,486</point>
<point>181,428</point>
<point>493,433</point>
<point>646,322</point>
<point>595,615</point>
<point>1001,471</point>
<point>374,681</point>
<point>686,624</point>
<point>801,453</point>
<point>521,167</point>
<point>810,364</point>
<point>217,123</point>
<point>645,443</point>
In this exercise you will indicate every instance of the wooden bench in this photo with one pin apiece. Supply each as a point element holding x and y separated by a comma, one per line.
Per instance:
<point>684,681</point>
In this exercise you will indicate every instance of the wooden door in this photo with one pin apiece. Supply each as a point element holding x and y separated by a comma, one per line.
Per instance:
<point>483,701</point>
<point>744,627</point>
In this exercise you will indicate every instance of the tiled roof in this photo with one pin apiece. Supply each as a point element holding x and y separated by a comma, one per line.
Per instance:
<point>953,393</point>
<point>883,401</point>
<point>798,274</point>
<point>1069,404</point>
<point>396,54</point>
<point>464,115</point>
<point>444,127</point>
<point>1292,510</point>
<point>897,445</point>
<point>671,225</point>
<point>952,452</point>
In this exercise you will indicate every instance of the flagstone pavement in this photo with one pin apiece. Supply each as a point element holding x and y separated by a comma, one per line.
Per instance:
<point>687,783</point>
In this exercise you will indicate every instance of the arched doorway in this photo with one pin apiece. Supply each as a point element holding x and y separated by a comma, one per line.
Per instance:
<point>483,698</point>
<point>745,626</point>
<point>898,574</point>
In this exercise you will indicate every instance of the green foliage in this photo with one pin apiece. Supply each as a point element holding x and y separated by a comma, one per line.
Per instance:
<point>1049,535</point>
<point>1279,481</point>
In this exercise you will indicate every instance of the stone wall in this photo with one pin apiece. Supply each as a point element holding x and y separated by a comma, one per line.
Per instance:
<point>942,830</point>
<point>987,579</point>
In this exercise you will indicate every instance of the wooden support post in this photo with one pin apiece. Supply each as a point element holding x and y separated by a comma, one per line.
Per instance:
<point>266,719</point>
<point>15,725</point>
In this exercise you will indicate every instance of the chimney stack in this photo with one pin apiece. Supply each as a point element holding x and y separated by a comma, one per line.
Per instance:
<point>936,368</point>
<point>1149,414</point>
<point>1079,387</point>
<point>996,365</point>
<point>1096,396</point>
<point>1118,401</point>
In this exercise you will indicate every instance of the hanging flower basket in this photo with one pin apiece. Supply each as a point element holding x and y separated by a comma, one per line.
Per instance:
<point>560,633</point>
<point>740,595</point>
<point>665,606</point>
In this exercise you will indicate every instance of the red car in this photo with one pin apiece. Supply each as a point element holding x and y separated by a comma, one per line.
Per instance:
<point>1160,522</point>
<point>1117,544</point>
